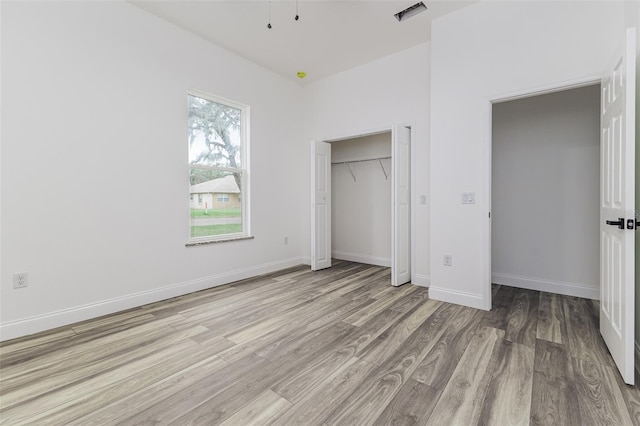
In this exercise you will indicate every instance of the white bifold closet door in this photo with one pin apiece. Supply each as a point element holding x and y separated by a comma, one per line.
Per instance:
<point>320,205</point>
<point>401,208</point>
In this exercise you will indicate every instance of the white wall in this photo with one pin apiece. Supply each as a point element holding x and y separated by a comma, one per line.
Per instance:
<point>545,192</point>
<point>389,91</point>
<point>361,208</point>
<point>94,108</point>
<point>486,51</point>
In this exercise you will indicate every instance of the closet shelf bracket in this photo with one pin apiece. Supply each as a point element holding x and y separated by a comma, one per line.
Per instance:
<point>383,170</point>
<point>351,171</point>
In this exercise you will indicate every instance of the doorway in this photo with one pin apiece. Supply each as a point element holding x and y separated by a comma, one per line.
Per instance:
<point>399,175</point>
<point>545,192</point>
<point>361,199</point>
<point>618,213</point>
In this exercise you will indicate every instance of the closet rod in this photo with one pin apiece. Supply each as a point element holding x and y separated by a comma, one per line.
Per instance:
<point>361,161</point>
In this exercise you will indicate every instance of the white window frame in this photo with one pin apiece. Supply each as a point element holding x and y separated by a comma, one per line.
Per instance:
<point>245,233</point>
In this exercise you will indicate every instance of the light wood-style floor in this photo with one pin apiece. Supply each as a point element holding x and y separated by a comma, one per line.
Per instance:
<point>333,347</point>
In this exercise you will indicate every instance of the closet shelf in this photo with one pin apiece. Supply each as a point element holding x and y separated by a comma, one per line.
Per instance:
<point>378,159</point>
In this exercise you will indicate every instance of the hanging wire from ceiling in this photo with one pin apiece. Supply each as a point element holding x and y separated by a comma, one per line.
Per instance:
<point>297,17</point>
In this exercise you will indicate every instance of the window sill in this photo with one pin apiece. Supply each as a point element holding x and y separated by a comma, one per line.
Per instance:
<point>222,240</point>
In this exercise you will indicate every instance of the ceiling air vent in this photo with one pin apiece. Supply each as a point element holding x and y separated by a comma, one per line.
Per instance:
<point>403,15</point>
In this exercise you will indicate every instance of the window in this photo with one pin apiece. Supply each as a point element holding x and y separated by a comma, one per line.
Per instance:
<point>218,168</point>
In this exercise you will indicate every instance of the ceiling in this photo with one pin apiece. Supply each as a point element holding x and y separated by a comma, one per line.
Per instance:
<point>329,37</point>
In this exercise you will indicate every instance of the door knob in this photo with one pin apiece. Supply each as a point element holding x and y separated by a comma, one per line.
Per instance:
<point>619,223</point>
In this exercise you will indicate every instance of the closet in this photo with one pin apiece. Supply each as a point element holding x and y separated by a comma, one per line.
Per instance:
<point>545,192</point>
<point>361,199</point>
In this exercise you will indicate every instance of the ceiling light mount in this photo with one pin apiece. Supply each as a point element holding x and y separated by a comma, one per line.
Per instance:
<point>407,13</point>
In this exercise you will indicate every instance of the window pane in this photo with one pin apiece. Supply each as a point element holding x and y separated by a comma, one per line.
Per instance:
<point>216,209</point>
<point>214,133</point>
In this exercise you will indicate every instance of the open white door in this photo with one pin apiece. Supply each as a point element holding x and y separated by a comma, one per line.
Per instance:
<point>401,211</point>
<point>617,208</point>
<point>320,205</point>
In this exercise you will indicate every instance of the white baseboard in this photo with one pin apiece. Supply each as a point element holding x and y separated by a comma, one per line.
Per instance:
<point>361,258</point>
<point>457,297</point>
<point>421,280</point>
<point>559,287</point>
<point>26,326</point>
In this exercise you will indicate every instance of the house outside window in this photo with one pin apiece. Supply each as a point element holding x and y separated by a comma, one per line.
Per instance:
<point>218,168</point>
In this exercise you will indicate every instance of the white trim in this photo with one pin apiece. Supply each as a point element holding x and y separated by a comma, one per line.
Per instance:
<point>370,132</point>
<point>229,238</point>
<point>26,326</point>
<point>488,147</point>
<point>457,297</point>
<point>547,89</point>
<point>202,94</point>
<point>413,202</point>
<point>421,280</point>
<point>569,289</point>
<point>487,230</point>
<point>312,203</point>
<point>362,258</point>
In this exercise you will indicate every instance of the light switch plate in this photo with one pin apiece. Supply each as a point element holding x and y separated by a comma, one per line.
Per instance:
<point>468,198</point>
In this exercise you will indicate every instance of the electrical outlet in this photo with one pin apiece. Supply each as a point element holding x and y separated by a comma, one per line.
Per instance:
<point>20,280</point>
<point>286,240</point>
<point>448,260</point>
